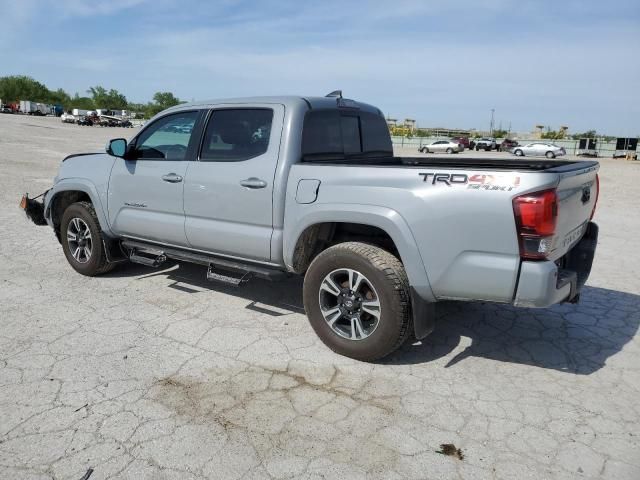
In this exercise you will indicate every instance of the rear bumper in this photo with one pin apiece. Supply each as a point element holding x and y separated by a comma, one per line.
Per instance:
<point>542,284</point>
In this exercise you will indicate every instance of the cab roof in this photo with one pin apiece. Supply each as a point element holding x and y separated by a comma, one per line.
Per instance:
<point>289,101</point>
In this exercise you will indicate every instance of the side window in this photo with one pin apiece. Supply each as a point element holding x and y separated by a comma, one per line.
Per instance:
<point>167,138</point>
<point>235,135</point>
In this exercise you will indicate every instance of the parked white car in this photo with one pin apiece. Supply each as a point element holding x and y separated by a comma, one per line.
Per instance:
<point>442,146</point>
<point>67,118</point>
<point>549,150</point>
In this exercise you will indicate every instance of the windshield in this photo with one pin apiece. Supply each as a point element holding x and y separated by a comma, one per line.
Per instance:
<point>336,135</point>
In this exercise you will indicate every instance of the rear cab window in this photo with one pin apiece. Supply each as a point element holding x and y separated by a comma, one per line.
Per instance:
<point>336,134</point>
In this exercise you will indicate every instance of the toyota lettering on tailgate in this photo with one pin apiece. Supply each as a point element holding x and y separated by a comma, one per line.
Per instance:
<point>474,182</point>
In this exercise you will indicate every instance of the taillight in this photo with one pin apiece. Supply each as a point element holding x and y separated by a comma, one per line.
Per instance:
<point>536,214</point>
<point>595,204</point>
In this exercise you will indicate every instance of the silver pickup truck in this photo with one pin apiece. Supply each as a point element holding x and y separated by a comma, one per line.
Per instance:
<point>273,186</point>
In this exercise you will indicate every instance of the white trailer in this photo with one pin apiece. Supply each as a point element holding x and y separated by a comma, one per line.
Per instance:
<point>79,112</point>
<point>42,109</point>
<point>27,106</point>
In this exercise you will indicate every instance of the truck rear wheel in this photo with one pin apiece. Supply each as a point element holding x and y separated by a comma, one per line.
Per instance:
<point>81,238</point>
<point>357,299</point>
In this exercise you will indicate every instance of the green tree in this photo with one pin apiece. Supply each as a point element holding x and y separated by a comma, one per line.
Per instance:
<point>21,87</point>
<point>60,97</point>
<point>500,133</point>
<point>162,101</point>
<point>587,134</point>
<point>84,103</point>
<point>111,99</point>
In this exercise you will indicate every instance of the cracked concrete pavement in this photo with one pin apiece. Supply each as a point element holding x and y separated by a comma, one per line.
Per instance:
<point>158,374</point>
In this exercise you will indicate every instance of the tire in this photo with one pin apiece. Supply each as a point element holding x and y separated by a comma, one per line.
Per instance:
<point>82,214</point>
<point>550,155</point>
<point>381,271</point>
<point>518,153</point>
<point>477,148</point>
<point>426,150</point>
<point>449,150</point>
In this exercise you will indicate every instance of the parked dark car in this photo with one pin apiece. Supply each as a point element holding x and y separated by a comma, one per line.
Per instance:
<point>507,145</point>
<point>464,141</point>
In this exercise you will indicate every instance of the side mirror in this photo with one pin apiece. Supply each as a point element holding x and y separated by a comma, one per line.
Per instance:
<point>117,147</point>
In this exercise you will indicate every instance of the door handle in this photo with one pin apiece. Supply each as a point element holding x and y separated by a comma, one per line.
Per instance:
<point>172,178</point>
<point>253,183</point>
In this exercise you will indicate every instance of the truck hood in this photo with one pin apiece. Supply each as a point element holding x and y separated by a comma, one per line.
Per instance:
<point>93,166</point>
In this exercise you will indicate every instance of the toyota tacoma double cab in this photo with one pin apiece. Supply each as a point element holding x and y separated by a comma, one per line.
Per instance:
<point>273,186</point>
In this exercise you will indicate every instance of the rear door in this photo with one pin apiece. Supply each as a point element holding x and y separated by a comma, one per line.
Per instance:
<point>439,146</point>
<point>145,192</point>
<point>228,191</point>
<point>540,149</point>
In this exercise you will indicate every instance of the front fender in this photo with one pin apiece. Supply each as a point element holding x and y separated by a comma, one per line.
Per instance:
<point>80,185</point>
<point>384,218</point>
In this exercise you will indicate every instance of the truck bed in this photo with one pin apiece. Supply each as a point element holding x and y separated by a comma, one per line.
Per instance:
<point>471,163</point>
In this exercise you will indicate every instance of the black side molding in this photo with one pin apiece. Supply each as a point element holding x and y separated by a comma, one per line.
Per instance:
<point>79,155</point>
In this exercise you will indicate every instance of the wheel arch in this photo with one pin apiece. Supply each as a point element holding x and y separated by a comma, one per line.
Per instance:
<point>66,193</point>
<point>317,230</point>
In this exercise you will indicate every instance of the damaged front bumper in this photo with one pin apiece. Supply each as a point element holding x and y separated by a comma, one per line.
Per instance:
<point>33,208</point>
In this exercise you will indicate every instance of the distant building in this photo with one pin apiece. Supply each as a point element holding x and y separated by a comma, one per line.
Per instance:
<point>410,124</point>
<point>444,132</point>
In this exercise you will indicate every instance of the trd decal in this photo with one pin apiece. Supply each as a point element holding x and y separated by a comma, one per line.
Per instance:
<point>474,182</point>
<point>446,178</point>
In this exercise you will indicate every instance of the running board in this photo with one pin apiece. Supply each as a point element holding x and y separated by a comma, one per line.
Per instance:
<point>156,261</point>
<point>214,276</point>
<point>245,270</point>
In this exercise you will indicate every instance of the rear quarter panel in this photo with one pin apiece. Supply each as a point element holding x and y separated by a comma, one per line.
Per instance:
<point>464,233</point>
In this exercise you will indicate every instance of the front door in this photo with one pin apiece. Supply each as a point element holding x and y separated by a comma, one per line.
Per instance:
<point>146,191</point>
<point>228,192</point>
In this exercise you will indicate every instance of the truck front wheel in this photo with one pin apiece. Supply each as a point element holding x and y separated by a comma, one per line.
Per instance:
<point>81,238</point>
<point>357,299</point>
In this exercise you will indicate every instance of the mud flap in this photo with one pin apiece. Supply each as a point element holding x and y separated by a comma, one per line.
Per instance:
<point>424,315</point>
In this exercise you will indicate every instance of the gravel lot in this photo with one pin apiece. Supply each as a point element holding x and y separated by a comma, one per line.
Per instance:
<point>147,374</point>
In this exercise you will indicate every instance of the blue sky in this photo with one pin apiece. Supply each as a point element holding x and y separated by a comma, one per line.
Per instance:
<point>444,63</point>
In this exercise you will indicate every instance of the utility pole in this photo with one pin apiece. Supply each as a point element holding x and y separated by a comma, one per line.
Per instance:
<point>491,124</point>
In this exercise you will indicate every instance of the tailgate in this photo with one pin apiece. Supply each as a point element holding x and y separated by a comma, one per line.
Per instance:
<point>577,194</point>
